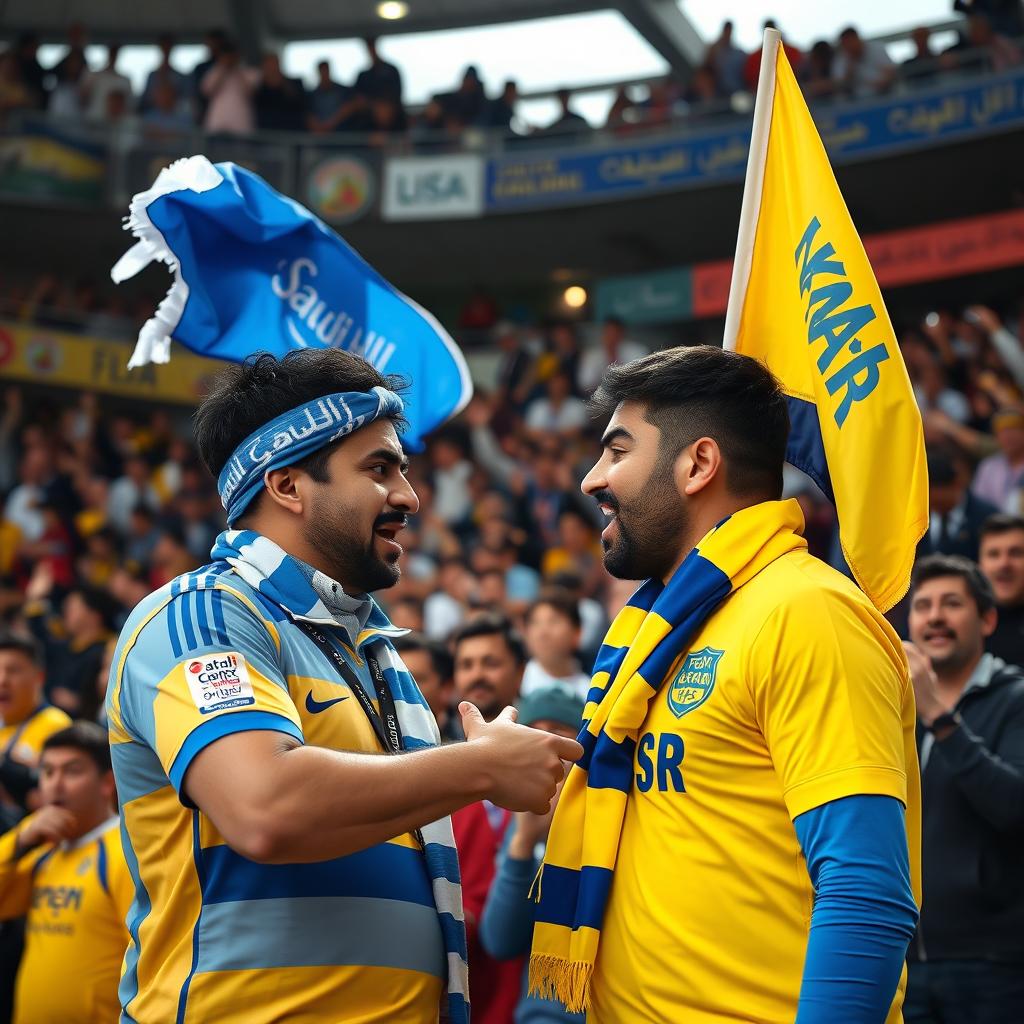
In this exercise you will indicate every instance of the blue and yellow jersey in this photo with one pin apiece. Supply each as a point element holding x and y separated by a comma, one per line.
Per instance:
<point>76,898</point>
<point>793,694</point>
<point>23,741</point>
<point>218,937</point>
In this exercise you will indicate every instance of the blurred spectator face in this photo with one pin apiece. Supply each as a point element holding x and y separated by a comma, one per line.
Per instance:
<point>1001,559</point>
<point>445,454</point>
<point>408,614</point>
<point>384,112</point>
<point>546,467</point>
<point>550,635</point>
<point>323,69</point>
<point>559,387</point>
<point>704,85</point>
<point>36,465</point>
<point>271,67</point>
<point>563,339</point>
<point>575,533</point>
<point>126,589</point>
<point>1009,431</point>
<point>117,105</point>
<point>491,589</point>
<point>137,469</point>
<point>79,618</point>
<point>612,334</point>
<point>166,43</point>
<point>946,625</point>
<point>165,98</point>
<point>851,44</point>
<point>71,779</point>
<point>486,673</point>
<point>436,691</point>
<point>21,686</point>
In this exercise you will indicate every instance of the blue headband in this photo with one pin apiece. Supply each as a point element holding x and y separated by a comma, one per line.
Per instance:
<point>295,434</point>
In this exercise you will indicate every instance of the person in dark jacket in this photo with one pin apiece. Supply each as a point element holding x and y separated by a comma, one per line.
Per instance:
<point>1001,559</point>
<point>967,959</point>
<point>957,515</point>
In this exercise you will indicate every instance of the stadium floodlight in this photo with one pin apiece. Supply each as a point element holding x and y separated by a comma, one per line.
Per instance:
<point>392,10</point>
<point>575,296</point>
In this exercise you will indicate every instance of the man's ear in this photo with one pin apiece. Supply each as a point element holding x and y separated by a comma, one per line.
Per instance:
<point>697,465</point>
<point>284,488</point>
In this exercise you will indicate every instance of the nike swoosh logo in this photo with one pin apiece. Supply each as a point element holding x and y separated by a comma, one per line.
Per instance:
<point>314,707</point>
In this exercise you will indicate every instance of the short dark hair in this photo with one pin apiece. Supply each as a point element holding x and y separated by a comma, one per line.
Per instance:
<point>26,645</point>
<point>1001,522</point>
<point>561,601</point>
<point>246,396</point>
<point>440,656</point>
<point>490,624</point>
<point>850,32</point>
<point>936,566</point>
<point>98,601</point>
<point>88,737</point>
<point>702,391</point>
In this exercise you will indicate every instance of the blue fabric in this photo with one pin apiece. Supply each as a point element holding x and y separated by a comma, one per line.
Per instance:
<point>256,271</point>
<point>293,435</point>
<point>864,910</point>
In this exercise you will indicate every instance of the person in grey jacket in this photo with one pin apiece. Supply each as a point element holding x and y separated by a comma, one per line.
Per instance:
<point>967,959</point>
<point>506,925</point>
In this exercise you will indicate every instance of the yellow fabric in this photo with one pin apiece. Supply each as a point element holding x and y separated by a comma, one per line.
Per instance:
<point>75,930</point>
<point>710,907</point>
<point>813,313</point>
<point>38,729</point>
<point>585,833</point>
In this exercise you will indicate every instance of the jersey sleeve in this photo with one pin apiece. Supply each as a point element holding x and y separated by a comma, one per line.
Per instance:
<point>829,691</point>
<point>205,666</point>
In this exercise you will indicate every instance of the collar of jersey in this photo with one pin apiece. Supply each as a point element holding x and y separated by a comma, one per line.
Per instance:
<point>286,581</point>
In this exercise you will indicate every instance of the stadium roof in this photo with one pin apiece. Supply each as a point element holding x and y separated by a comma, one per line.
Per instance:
<point>258,23</point>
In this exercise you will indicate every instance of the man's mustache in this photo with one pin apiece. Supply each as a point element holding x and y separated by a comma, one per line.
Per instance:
<point>389,518</point>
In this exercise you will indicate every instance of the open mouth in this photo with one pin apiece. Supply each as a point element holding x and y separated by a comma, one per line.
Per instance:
<point>612,516</point>
<point>387,532</point>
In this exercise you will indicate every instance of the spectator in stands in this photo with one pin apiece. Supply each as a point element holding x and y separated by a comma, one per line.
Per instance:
<point>967,960</point>
<point>489,661</point>
<point>35,473</point>
<point>559,411</point>
<point>64,868</point>
<point>31,71</point>
<point>616,347</point>
<point>165,81</point>
<point>1006,16</point>
<point>568,121</point>
<point>1000,477</point>
<point>129,491</point>
<point>228,89</point>
<point>431,666</point>
<point>450,473</point>
<point>925,64</point>
<point>727,61</point>
<point>66,94</point>
<point>380,80</point>
<point>1001,559</point>
<point>97,86</point>
<point>27,720</point>
<point>73,64</point>
<point>862,68</point>
<point>325,100</point>
<point>499,112</point>
<point>552,632</point>
<point>982,48</point>
<point>72,641</point>
<point>957,515</point>
<point>752,69</point>
<point>216,42</point>
<point>279,101</point>
<point>506,925</point>
<point>621,114</point>
<point>166,114</point>
<point>446,608</point>
<point>468,102</point>
<point>816,77</point>
<point>703,95</point>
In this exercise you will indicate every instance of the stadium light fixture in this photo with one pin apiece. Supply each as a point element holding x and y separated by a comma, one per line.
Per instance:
<point>392,10</point>
<point>575,296</point>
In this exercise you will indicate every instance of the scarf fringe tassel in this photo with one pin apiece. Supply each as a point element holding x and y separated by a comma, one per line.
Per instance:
<point>568,981</point>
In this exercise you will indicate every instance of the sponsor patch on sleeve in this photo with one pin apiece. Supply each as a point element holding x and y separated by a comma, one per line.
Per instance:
<point>219,682</point>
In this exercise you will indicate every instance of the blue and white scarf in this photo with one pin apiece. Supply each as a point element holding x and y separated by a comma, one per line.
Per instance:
<point>309,596</point>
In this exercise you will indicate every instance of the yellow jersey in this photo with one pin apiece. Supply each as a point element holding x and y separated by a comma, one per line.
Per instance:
<point>23,741</point>
<point>794,693</point>
<point>76,898</point>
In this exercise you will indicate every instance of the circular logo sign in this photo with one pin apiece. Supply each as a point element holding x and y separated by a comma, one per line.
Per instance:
<point>42,354</point>
<point>195,667</point>
<point>341,189</point>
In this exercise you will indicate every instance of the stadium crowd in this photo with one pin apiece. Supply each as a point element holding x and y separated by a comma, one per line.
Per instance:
<point>505,593</point>
<point>223,95</point>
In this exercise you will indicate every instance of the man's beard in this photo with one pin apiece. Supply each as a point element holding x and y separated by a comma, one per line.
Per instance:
<point>356,565</point>
<point>650,529</point>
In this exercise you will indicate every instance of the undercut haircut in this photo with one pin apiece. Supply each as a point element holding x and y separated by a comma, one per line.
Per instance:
<point>706,391</point>
<point>245,397</point>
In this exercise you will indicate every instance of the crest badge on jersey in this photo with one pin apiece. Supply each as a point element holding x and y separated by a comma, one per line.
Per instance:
<point>694,680</point>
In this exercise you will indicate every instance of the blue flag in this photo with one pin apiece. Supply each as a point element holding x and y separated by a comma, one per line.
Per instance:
<point>256,272</point>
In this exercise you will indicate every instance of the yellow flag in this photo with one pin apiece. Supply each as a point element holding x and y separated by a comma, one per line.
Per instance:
<point>804,301</point>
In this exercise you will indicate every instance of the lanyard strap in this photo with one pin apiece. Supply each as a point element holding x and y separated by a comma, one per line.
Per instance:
<point>385,722</point>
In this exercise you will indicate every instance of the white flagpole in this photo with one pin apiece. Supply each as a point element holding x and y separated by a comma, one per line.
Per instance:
<point>752,186</point>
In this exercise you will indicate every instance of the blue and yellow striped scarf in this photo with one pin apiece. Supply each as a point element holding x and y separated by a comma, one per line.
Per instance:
<point>644,642</point>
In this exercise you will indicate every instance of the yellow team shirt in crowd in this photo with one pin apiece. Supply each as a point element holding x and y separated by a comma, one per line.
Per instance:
<point>23,741</point>
<point>75,897</point>
<point>793,694</point>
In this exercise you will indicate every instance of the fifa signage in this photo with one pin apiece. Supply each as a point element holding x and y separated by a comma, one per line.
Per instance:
<point>433,188</point>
